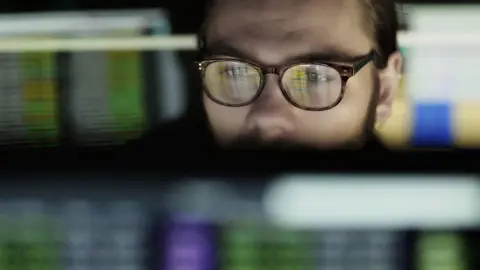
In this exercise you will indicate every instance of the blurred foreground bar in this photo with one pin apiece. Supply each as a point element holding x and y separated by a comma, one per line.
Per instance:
<point>112,227</point>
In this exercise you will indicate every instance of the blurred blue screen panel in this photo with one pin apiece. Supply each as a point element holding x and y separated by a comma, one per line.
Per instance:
<point>432,126</point>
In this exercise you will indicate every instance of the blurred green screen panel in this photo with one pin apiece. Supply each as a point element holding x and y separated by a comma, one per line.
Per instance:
<point>29,99</point>
<point>29,243</point>
<point>125,93</point>
<point>240,245</point>
<point>107,96</point>
<point>286,250</point>
<point>40,91</point>
<point>441,251</point>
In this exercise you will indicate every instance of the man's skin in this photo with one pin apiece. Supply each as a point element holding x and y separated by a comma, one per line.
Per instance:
<point>273,33</point>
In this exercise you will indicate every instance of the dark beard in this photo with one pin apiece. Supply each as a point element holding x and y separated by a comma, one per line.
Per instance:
<point>254,142</point>
<point>368,137</point>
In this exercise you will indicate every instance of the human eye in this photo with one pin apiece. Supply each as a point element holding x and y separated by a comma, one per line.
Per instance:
<point>318,76</point>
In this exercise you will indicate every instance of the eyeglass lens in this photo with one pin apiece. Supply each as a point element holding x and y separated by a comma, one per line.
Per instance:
<point>313,86</point>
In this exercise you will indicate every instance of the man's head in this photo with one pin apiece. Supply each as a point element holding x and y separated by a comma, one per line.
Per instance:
<point>317,102</point>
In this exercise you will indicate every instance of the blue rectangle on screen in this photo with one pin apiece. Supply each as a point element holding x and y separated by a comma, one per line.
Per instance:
<point>432,125</point>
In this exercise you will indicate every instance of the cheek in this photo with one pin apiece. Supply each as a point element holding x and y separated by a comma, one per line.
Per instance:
<point>342,123</point>
<point>338,125</point>
<point>358,93</point>
<point>225,121</point>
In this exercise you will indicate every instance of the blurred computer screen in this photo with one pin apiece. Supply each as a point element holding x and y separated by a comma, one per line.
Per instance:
<point>325,222</point>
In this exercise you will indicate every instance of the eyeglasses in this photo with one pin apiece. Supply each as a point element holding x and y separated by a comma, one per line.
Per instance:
<point>308,86</point>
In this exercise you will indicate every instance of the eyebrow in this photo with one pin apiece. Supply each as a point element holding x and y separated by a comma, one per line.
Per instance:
<point>222,48</point>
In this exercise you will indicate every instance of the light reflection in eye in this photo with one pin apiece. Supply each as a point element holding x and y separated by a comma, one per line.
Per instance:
<point>305,76</point>
<point>232,81</point>
<point>312,85</point>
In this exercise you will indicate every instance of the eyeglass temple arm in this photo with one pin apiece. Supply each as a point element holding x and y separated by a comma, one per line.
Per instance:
<point>363,62</point>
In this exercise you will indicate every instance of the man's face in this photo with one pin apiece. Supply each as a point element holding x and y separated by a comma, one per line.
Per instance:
<point>275,33</point>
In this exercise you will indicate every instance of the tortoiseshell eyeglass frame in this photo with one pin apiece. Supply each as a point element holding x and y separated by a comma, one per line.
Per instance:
<point>345,71</point>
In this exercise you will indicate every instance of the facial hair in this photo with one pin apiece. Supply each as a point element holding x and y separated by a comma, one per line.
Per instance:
<point>253,140</point>
<point>368,135</point>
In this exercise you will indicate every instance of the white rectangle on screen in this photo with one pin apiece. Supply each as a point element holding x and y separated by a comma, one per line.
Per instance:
<point>67,22</point>
<point>441,72</point>
<point>388,202</point>
<point>444,19</point>
<point>444,74</point>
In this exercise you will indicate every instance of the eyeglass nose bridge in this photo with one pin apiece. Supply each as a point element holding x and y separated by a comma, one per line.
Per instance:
<point>271,70</point>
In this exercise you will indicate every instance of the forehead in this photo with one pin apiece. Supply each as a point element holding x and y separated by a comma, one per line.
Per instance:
<point>272,30</point>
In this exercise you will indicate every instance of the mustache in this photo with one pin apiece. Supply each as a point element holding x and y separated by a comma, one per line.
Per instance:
<point>253,141</point>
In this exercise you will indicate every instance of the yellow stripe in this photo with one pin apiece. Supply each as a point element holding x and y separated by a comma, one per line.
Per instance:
<point>396,131</point>
<point>466,117</point>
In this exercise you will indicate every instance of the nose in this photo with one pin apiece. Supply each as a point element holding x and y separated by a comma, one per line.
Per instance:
<point>271,116</point>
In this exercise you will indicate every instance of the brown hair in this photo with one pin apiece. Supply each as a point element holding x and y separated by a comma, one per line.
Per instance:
<point>380,18</point>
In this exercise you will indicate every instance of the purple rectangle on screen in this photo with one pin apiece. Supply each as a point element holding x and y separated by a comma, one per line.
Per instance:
<point>188,245</point>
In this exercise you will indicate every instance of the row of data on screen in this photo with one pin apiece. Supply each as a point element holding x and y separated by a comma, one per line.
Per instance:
<point>74,235</point>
